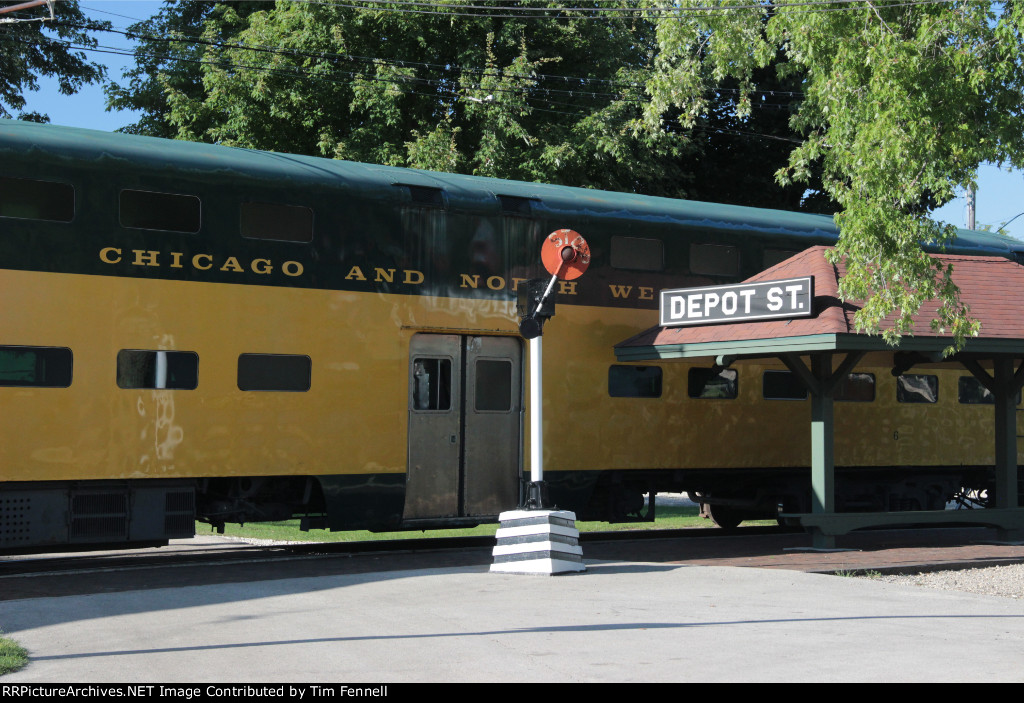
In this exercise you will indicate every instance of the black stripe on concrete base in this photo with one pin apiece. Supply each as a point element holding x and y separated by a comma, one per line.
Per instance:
<point>535,556</point>
<point>541,520</point>
<point>529,539</point>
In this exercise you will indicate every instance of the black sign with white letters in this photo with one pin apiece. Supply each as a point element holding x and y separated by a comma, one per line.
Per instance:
<point>737,303</point>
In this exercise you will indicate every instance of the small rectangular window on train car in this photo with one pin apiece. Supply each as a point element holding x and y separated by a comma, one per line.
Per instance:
<point>493,385</point>
<point>277,222</point>
<point>714,259</point>
<point>638,254</point>
<point>157,369</point>
<point>39,367</point>
<point>634,381</point>
<point>166,212</point>
<point>712,383</point>
<point>274,372</point>
<point>856,388</point>
<point>28,199</point>
<point>971,392</point>
<point>515,205</point>
<point>425,196</point>
<point>782,385</point>
<point>776,256</point>
<point>432,384</point>
<point>917,388</point>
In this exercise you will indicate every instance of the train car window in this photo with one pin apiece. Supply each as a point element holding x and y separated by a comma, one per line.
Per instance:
<point>917,388</point>
<point>276,222</point>
<point>167,212</point>
<point>493,385</point>
<point>714,259</point>
<point>638,254</point>
<point>141,368</point>
<point>28,199</point>
<point>425,196</point>
<point>432,384</point>
<point>514,205</point>
<point>274,372</point>
<point>782,385</point>
<point>971,392</point>
<point>634,381</point>
<point>712,383</point>
<point>856,388</point>
<point>776,256</point>
<point>38,367</point>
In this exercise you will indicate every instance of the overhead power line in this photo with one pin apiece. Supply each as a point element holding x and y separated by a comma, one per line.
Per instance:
<point>450,68</point>
<point>446,86</point>
<point>441,89</point>
<point>595,13</point>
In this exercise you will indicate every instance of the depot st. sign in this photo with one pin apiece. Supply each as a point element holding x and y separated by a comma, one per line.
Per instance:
<point>737,303</point>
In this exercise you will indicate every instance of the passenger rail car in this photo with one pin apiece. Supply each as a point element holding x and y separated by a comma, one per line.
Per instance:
<point>199,332</point>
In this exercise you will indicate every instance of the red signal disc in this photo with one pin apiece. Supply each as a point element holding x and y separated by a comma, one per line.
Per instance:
<point>565,254</point>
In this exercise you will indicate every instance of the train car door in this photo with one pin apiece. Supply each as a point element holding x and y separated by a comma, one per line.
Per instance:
<point>465,426</point>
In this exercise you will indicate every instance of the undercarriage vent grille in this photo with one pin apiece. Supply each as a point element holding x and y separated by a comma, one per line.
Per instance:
<point>15,521</point>
<point>180,514</point>
<point>181,501</point>
<point>99,515</point>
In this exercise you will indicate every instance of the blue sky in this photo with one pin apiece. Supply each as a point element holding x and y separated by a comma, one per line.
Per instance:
<point>1000,195</point>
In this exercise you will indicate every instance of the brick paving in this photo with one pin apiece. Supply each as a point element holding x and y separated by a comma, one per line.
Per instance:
<point>888,551</point>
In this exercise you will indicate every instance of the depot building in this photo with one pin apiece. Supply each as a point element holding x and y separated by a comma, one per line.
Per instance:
<point>792,312</point>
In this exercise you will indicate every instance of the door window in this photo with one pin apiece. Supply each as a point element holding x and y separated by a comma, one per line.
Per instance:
<point>432,384</point>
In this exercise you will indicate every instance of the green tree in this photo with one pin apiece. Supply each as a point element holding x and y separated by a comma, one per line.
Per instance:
<point>169,52</point>
<point>31,47</point>
<point>558,99</point>
<point>901,103</point>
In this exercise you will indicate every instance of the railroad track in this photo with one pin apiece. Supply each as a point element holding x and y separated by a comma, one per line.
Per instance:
<point>243,553</point>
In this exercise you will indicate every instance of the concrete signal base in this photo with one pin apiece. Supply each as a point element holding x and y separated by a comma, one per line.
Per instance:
<point>538,542</point>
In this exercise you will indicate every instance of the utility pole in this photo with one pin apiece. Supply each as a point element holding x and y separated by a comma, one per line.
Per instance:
<point>25,6</point>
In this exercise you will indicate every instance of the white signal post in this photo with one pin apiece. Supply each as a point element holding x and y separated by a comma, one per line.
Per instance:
<point>568,255</point>
<point>536,411</point>
<point>536,539</point>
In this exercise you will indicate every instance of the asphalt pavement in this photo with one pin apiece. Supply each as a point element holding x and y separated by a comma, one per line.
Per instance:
<point>618,621</point>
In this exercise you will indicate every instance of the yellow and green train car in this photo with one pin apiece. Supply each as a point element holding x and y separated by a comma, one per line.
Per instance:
<point>200,332</point>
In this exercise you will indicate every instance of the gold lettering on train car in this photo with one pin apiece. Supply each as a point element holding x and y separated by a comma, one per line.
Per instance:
<point>620,291</point>
<point>646,293</point>
<point>232,265</point>
<point>495,282</point>
<point>470,281</point>
<point>409,277</point>
<point>105,255</point>
<point>516,282</point>
<point>355,273</point>
<point>567,287</point>
<point>145,258</point>
<point>205,262</point>
<point>384,275</point>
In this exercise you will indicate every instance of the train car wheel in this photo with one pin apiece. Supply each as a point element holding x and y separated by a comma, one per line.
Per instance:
<point>725,516</point>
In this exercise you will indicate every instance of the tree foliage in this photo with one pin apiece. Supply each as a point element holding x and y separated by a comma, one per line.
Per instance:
<point>558,100</point>
<point>30,48</point>
<point>901,103</point>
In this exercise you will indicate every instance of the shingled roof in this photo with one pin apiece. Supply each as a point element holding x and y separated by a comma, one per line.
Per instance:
<point>990,286</point>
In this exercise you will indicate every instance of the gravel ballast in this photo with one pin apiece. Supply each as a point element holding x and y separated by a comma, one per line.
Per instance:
<point>1006,581</point>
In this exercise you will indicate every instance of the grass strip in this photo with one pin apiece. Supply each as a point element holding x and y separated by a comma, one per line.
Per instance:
<point>12,656</point>
<point>668,518</point>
